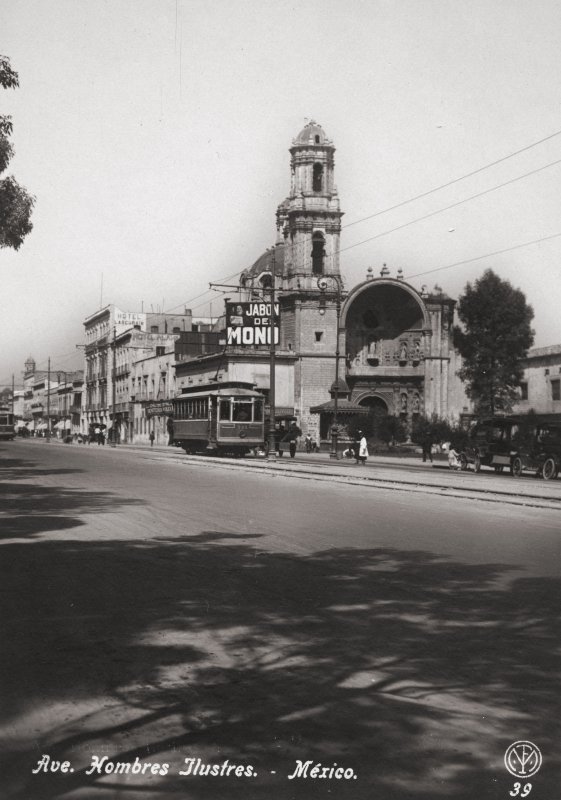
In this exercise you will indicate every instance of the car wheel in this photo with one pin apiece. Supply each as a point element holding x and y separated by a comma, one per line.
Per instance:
<point>476,462</point>
<point>516,467</point>
<point>549,469</point>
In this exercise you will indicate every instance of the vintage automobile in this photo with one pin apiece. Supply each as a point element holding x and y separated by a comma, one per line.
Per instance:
<point>538,450</point>
<point>519,443</point>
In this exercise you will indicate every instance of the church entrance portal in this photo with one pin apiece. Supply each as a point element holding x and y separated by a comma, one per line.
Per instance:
<point>374,404</point>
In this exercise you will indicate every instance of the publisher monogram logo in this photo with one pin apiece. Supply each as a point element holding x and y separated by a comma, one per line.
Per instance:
<point>523,759</point>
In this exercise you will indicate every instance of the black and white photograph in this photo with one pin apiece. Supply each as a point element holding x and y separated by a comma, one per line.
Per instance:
<point>280,400</point>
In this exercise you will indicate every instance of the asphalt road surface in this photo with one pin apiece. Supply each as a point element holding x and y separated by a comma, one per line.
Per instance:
<point>161,618</point>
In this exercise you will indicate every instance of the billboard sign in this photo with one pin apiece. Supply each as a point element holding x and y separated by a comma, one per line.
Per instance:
<point>158,408</point>
<point>249,324</point>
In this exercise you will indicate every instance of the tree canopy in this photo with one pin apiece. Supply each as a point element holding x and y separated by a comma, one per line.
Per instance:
<point>493,341</point>
<point>15,202</point>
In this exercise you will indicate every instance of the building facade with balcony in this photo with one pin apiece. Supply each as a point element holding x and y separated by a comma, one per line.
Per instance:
<point>115,339</point>
<point>152,387</point>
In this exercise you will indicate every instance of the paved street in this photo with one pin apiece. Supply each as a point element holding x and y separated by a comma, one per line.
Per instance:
<point>156,609</point>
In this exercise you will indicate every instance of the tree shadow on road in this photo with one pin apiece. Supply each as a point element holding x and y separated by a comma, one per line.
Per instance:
<point>416,671</point>
<point>32,509</point>
<point>23,468</point>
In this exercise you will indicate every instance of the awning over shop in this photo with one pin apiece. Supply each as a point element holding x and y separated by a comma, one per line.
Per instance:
<point>20,424</point>
<point>59,426</point>
<point>344,406</point>
<point>41,426</point>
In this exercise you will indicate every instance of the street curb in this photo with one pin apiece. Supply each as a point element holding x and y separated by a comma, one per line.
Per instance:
<point>304,472</point>
<point>310,472</point>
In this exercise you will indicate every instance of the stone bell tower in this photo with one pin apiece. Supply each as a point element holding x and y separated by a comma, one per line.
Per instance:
<point>309,220</point>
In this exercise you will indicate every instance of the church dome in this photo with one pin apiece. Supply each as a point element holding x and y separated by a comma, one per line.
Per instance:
<point>312,133</point>
<point>263,265</point>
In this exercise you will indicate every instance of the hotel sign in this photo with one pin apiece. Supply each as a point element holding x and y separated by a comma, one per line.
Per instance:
<point>129,319</point>
<point>249,324</point>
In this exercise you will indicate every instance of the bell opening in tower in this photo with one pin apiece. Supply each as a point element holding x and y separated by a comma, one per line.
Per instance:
<point>318,254</point>
<point>317,184</point>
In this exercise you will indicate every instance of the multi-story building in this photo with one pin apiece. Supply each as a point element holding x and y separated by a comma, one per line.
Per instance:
<point>152,387</point>
<point>40,398</point>
<point>65,403</point>
<point>115,339</point>
<point>540,389</point>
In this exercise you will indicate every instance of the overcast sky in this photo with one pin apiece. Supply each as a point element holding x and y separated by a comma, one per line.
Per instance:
<point>154,135</point>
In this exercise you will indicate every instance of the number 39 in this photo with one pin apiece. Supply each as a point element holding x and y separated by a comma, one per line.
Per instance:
<point>526,789</point>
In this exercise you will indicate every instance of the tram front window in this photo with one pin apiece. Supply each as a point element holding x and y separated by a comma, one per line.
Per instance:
<point>242,411</point>
<point>258,411</point>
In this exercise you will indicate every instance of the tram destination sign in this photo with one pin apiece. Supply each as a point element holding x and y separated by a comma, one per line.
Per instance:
<point>249,324</point>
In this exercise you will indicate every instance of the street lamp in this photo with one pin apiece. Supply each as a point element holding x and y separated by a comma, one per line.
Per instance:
<point>323,284</point>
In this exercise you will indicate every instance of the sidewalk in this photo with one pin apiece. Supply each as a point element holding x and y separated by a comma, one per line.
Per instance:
<point>386,471</point>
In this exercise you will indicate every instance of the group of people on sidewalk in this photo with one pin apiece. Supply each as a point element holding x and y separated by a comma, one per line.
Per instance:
<point>359,451</point>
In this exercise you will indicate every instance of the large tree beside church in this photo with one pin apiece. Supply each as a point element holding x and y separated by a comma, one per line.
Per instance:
<point>15,202</point>
<point>493,340</point>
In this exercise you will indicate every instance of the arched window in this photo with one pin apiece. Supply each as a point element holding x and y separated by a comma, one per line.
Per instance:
<point>317,138</point>
<point>266,280</point>
<point>318,178</point>
<point>318,254</point>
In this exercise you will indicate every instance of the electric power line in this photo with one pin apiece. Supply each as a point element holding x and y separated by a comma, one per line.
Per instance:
<point>486,255</point>
<point>412,199</point>
<point>455,180</point>
<point>452,205</point>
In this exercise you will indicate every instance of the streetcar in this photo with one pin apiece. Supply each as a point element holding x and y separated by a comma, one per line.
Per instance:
<point>219,419</point>
<point>7,428</point>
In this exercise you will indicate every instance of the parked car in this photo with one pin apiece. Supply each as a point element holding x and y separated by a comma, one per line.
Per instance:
<point>539,452</point>
<point>518,443</point>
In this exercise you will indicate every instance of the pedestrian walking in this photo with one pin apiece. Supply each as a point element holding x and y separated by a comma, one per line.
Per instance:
<point>362,451</point>
<point>427,449</point>
<point>152,437</point>
<point>279,437</point>
<point>292,436</point>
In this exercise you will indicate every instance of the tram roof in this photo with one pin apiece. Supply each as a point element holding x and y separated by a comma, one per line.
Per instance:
<point>218,391</point>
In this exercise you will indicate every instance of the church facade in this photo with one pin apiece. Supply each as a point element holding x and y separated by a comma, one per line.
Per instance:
<point>394,344</point>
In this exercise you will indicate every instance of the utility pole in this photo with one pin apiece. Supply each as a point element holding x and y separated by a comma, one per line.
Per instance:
<point>113,431</point>
<point>272,454</point>
<point>64,430</point>
<point>323,283</point>
<point>49,400</point>
<point>13,389</point>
